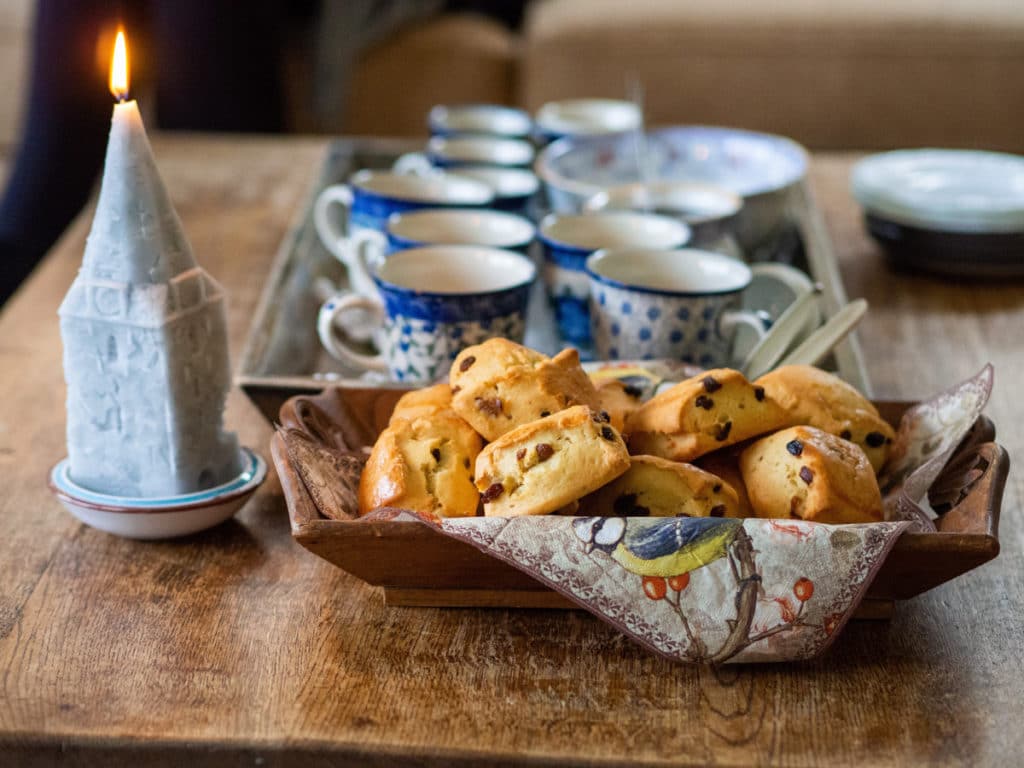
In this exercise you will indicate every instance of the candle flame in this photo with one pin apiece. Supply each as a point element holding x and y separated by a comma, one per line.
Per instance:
<point>119,68</point>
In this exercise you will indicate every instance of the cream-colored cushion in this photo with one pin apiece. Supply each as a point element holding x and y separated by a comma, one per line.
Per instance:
<point>857,74</point>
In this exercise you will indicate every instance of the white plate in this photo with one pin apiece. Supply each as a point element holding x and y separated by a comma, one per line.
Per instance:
<point>950,190</point>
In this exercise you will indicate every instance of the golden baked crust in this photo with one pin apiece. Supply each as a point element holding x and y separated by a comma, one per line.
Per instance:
<point>424,464</point>
<point>542,466</point>
<point>726,465</point>
<point>713,410</point>
<point>500,385</point>
<point>808,473</point>
<point>422,402</point>
<point>812,396</point>
<point>657,487</point>
<point>618,399</point>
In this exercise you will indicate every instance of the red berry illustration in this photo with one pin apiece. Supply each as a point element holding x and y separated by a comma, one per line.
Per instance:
<point>654,587</point>
<point>680,582</point>
<point>803,589</point>
<point>831,622</point>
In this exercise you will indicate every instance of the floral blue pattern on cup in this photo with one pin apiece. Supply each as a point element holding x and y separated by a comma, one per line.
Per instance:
<point>433,302</point>
<point>569,240</point>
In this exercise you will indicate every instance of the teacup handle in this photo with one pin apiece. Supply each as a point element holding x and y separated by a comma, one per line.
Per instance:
<point>731,319</point>
<point>366,248</point>
<point>414,164</point>
<point>330,311</point>
<point>333,236</point>
<point>791,277</point>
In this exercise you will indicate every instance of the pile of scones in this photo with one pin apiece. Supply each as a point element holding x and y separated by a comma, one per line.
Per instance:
<point>515,432</point>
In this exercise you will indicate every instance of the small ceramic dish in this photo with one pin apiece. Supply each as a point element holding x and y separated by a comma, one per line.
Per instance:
<point>158,518</point>
<point>759,167</point>
<point>950,212</point>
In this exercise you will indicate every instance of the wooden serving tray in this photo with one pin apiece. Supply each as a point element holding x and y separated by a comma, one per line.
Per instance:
<point>418,566</point>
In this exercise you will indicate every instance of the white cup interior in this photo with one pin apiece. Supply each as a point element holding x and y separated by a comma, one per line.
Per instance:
<point>435,188</point>
<point>586,116</point>
<point>482,149</point>
<point>456,269</point>
<point>684,270</point>
<point>506,182</point>
<point>467,227</point>
<point>481,118</point>
<point>615,229</point>
<point>693,202</point>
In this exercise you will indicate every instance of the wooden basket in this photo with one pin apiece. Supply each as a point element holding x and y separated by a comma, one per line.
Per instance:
<point>418,566</point>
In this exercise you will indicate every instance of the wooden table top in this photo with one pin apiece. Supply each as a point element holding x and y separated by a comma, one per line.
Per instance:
<point>237,646</point>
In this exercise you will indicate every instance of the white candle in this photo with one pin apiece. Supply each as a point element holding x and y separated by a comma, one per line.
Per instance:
<point>145,339</point>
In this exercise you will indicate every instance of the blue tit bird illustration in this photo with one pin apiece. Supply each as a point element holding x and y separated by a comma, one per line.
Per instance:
<point>664,546</point>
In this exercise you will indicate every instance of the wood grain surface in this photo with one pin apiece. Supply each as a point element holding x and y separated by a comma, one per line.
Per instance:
<point>237,647</point>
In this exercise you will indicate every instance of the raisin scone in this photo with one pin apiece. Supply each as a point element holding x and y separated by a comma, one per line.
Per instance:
<point>422,402</point>
<point>817,398</point>
<point>549,463</point>
<point>807,473</point>
<point>713,410</point>
<point>657,487</point>
<point>618,399</point>
<point>726,465</point>
<point>500,385</point>
<point>424,464</point>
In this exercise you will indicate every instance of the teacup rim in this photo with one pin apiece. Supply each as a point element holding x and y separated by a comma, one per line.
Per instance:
<point>357,179</point>
<point>437,146</point>
<point>438,114</point>
<point>687,231</point>
<point>610,281</point>
<point>457,211</point>
<point>412,252</point>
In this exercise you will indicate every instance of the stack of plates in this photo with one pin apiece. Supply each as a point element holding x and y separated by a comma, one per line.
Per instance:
<point>951,212</point>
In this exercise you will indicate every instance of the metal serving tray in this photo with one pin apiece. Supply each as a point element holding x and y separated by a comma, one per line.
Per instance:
<point>283,357</point>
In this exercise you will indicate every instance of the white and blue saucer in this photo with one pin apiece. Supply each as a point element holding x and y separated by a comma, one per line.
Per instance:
<point>159,517</point>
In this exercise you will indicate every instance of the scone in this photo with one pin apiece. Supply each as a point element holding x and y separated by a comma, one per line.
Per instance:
<point>500,385</point>
<point>424,464</point>
<point>618,400</point>
<point>726,465</point>
<point>422,402</point>
<point>702,414</point>
<point>657,487</point>
<point>544,465</point>
<point>807,473</point>
<point>812,396</point>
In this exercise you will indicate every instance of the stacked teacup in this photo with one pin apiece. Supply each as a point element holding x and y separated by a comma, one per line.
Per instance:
<point>437,248</point>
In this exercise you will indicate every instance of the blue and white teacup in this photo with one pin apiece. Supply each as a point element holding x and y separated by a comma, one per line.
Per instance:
<point>457,151</point>
<point>371,197</point>
<point>489,228</point>
<point>569,239</point>
<point>679,304</point>
<point>515,189</point>
<point>434,302</point>
<point>485,119</point>
<point>586,117</point>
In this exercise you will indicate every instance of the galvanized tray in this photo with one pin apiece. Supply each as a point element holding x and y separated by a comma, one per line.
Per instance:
<point>283,356</point>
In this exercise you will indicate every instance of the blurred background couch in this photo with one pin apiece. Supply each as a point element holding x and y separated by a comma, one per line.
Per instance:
<point>864,74</point>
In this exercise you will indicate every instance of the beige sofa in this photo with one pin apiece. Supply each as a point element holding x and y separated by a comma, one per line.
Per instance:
<point>864,74</point>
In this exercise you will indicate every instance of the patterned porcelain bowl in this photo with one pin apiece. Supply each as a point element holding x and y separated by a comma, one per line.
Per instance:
<point>758,166</point>
<point>158,518</point>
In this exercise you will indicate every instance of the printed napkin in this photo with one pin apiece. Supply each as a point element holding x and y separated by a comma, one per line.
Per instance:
<point>700,590</point>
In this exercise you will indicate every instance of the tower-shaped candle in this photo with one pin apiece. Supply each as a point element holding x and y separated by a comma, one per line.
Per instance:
<point>145,336</point>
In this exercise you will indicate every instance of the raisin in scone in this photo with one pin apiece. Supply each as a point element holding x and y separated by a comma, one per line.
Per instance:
<point>702,414</point>
<point>726,465</point>
<point>424,464</point>
<point>817,398</point>
<point>618,399</point>
<point>542,466</point>
<point>500,385</point>
<point>422,402</point>
<point>807,473</point>
<point>657,487</point>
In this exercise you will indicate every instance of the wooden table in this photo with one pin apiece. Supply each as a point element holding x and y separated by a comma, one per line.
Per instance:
<point>238,647</point>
